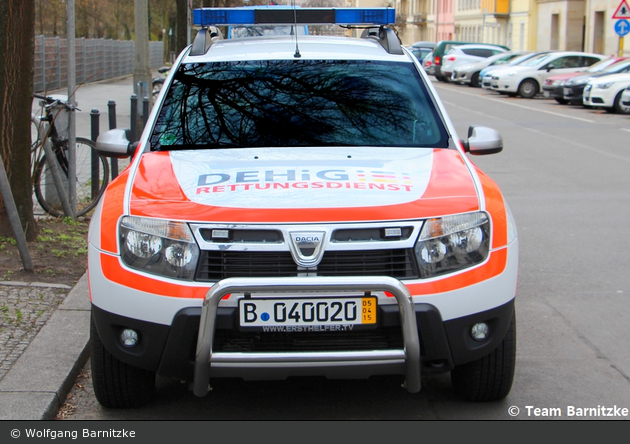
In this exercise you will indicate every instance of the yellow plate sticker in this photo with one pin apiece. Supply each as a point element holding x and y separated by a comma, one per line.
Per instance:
<point>368,310</point>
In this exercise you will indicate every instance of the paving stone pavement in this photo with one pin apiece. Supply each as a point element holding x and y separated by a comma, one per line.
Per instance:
<point>24,310</point>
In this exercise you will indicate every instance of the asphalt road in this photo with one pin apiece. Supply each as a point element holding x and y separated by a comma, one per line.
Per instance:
<point>564,173</point>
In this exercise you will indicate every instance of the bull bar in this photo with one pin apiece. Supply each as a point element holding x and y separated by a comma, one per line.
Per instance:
<point>410,353</point>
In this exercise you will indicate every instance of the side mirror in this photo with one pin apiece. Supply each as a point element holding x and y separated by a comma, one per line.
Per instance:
<point>483,140</point>
<point>115,143</point>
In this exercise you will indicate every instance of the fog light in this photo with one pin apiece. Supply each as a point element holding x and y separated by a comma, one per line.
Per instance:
<point>129,338</point>
<point>479,332</point>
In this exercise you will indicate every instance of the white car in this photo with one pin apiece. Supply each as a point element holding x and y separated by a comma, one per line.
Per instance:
<point>467,54</point>
<point>300,207</point>
<point>487,73</point>
<point>526,79</point>
<point>606,92</point>
<point>469,73</point>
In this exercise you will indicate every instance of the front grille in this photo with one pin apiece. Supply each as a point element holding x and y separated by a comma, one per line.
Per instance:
<point>215,265</point>
<point>383,338</point>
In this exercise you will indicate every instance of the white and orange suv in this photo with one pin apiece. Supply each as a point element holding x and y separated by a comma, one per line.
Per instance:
<point>301,206</point>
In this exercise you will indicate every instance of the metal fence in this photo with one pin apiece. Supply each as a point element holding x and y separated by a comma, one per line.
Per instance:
<point>96,59</point>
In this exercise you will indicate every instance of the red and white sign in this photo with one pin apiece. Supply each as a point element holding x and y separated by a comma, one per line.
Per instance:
<point>623,11</point>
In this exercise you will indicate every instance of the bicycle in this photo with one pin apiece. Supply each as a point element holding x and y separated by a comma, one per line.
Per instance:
<point>50,124</point>
<point>158,82</point>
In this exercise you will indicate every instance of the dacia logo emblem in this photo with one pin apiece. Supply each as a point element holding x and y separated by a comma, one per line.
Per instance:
<point>307,247</point>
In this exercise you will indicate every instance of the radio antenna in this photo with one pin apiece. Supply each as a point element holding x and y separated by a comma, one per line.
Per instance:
<point>297,54</point>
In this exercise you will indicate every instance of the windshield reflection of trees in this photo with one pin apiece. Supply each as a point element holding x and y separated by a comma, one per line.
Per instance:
<point>294,103</point>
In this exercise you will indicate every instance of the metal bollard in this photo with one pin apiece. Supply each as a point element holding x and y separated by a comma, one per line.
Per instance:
<point>134,118</point>
<point>95,116</point>
<point>111,109</point>
<point>145,111</point>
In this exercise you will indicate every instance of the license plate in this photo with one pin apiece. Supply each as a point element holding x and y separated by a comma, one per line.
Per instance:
<point>323,314</point>
<point>546,94</point>
<point>566,91</point>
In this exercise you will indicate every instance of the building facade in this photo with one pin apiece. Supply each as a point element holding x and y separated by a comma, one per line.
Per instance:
<point>535,25</point>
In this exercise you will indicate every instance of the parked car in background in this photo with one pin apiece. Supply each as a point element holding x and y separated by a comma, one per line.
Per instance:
<point>526,79</point>
<point>574,87</point>
<point>427,64</point>
<point>422,49</point>
<point>554,85</point>
<point>469,73</point>
<point>441,48</point>
<point>605,92</point>
<point>463,54</point>
<point>486,73</point>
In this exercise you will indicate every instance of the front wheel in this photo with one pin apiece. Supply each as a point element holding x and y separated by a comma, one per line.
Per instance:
<point>528,89</point>
<point>619,107</point>
<point>116,384</point>
<point>475,81</point>
<point>489,378</point>
<point>87,196</point>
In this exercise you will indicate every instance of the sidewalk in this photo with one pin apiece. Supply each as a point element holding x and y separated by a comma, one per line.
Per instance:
<point>37,383</point>
<point>39,363</point>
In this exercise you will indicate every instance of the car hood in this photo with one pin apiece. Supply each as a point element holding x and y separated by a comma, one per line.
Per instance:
<point>612,78</point>
<point>297,185</point>
<point>563,76</point>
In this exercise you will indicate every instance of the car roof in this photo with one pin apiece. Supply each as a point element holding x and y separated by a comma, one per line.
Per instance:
<point>284,48</point>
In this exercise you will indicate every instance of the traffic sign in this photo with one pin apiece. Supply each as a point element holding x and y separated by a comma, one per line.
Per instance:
<point>623,11</point>
<point>622,27</point>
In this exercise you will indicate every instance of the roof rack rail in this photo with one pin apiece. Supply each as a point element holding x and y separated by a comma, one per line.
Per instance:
<point>204,39</point>
<point>386,37</point>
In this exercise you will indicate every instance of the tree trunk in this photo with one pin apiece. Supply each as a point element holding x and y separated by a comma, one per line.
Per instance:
<point>181,26</point>
<point>17,26</point>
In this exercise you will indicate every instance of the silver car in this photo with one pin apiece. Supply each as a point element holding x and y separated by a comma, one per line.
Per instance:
<point>469,73</point>
<point>467,54</point>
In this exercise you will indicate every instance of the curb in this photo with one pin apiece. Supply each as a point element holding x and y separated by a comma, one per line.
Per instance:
<point>40,380</point>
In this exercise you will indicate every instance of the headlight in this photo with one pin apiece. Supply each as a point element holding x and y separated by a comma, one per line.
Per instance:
<point>604,85</point>
<point>159,247</point>
<point>582,81</point>
<point>452,243</point>
<point>558,82</point>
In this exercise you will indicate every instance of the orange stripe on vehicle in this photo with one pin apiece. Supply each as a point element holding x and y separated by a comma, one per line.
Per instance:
<point>113,271</point>
<point>155,178</point>
<point>496,207</point>
<point>449,176</point>
<point>112,210</point>
<point>494,267</point>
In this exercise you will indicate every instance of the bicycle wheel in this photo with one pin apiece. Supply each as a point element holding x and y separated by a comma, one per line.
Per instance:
<point>45,189</point>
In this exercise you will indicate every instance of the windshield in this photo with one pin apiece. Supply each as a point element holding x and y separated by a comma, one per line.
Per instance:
<point>297,103</point>
<point>535,61</point>
<point>601,66</point>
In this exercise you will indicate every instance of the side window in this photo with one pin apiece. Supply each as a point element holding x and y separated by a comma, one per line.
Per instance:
<point>474,52</point>
<point>572,62</point>
<point>588,61</point>
<point>485,52</point>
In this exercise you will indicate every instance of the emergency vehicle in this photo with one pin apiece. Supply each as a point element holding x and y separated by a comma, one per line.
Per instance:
<point>300,205</point>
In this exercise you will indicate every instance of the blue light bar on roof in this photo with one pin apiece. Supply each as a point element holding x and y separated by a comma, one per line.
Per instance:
<point>287,15</point>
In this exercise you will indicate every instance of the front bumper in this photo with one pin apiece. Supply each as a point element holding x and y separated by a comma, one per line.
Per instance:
<point>505,84</point>
<point>555,92</point>
<point>206,342</point>
<point>573,93</point>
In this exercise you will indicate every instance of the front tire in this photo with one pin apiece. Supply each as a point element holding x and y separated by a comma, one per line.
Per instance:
<point>116,384</point>
<point>528,89</point>
<point>489,378</point>
<point>474,81</point>
<point>618,107</point>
